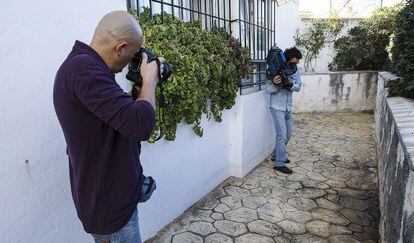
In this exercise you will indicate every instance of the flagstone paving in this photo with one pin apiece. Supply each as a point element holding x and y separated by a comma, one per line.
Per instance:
<point>330,197</point>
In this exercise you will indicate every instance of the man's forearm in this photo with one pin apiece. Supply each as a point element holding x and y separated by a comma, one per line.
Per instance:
<point>148,93</point>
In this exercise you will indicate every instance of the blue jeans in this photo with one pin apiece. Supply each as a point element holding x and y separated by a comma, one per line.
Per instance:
<point>128,234</point>
<point>283,121</point>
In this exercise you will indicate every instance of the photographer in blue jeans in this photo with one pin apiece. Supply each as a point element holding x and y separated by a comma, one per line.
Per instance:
<point>280,88</point>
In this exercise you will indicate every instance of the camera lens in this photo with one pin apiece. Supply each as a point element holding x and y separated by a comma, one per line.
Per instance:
<point>166,70</point>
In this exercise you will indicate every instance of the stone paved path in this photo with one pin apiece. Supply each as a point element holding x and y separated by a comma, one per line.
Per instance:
<point>330,197</point>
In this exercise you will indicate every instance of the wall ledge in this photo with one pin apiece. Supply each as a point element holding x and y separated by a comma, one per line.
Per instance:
<point>388,76</point>
<point>402,110</point>
<point>339,72</point>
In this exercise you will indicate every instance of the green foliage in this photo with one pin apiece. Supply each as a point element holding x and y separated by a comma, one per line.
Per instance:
<point>313,38</point>
<point>403,53</point>
<point>365,46</point>
<point>208,67</point>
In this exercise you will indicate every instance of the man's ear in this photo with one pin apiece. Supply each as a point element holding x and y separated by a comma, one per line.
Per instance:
<point>120,48</point>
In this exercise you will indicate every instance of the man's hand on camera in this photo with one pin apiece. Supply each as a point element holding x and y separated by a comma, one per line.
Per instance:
<point>149,71</point>
<point>277,80</point>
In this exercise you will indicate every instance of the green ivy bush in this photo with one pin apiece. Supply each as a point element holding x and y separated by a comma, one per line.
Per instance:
<point>403,53</point>
<point>365,46</point>
<point>208,68</point>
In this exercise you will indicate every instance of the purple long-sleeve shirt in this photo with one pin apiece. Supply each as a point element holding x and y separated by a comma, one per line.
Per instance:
<point>102,126</point>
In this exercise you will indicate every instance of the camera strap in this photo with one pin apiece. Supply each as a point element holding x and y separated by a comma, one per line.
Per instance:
<point>161,106</point>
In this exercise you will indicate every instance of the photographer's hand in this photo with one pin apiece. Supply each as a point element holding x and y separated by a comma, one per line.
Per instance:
<point>277,80</point>
<point>149,73</point>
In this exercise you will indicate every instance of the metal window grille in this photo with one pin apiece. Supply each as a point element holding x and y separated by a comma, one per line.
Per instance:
<point>253,22</point>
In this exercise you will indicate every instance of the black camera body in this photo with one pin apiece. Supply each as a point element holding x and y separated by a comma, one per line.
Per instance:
<point>277,65</point>
<point>148,187</point>
<point>134,75</point>
<point>286,80</point>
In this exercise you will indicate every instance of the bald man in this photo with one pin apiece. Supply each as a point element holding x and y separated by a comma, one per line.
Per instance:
<point>103,127</point>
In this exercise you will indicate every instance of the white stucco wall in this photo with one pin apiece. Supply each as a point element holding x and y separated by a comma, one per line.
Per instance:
<point>336,92</point>
<point>36,205</point>
<point>258,134</point>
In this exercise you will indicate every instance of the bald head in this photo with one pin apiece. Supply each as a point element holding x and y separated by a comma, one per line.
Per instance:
<point>118,26</point>
<point>116,39</point>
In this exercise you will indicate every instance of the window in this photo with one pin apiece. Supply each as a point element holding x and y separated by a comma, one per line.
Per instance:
<point>253,22</point>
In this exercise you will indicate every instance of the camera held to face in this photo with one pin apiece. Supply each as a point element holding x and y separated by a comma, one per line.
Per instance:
<point>286,81</point>
<point>134,75</point>
<point>277,65</point>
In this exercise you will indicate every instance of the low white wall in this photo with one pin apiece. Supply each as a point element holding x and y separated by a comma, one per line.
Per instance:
<point>258,131</point>
<point>337,91</point>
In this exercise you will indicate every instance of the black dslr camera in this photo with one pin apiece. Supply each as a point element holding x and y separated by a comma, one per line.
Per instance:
<point>134,75</point>
<point>286,80</point>
<point>278,65</point>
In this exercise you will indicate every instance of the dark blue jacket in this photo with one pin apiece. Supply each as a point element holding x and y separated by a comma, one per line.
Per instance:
<point>102,126</point>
